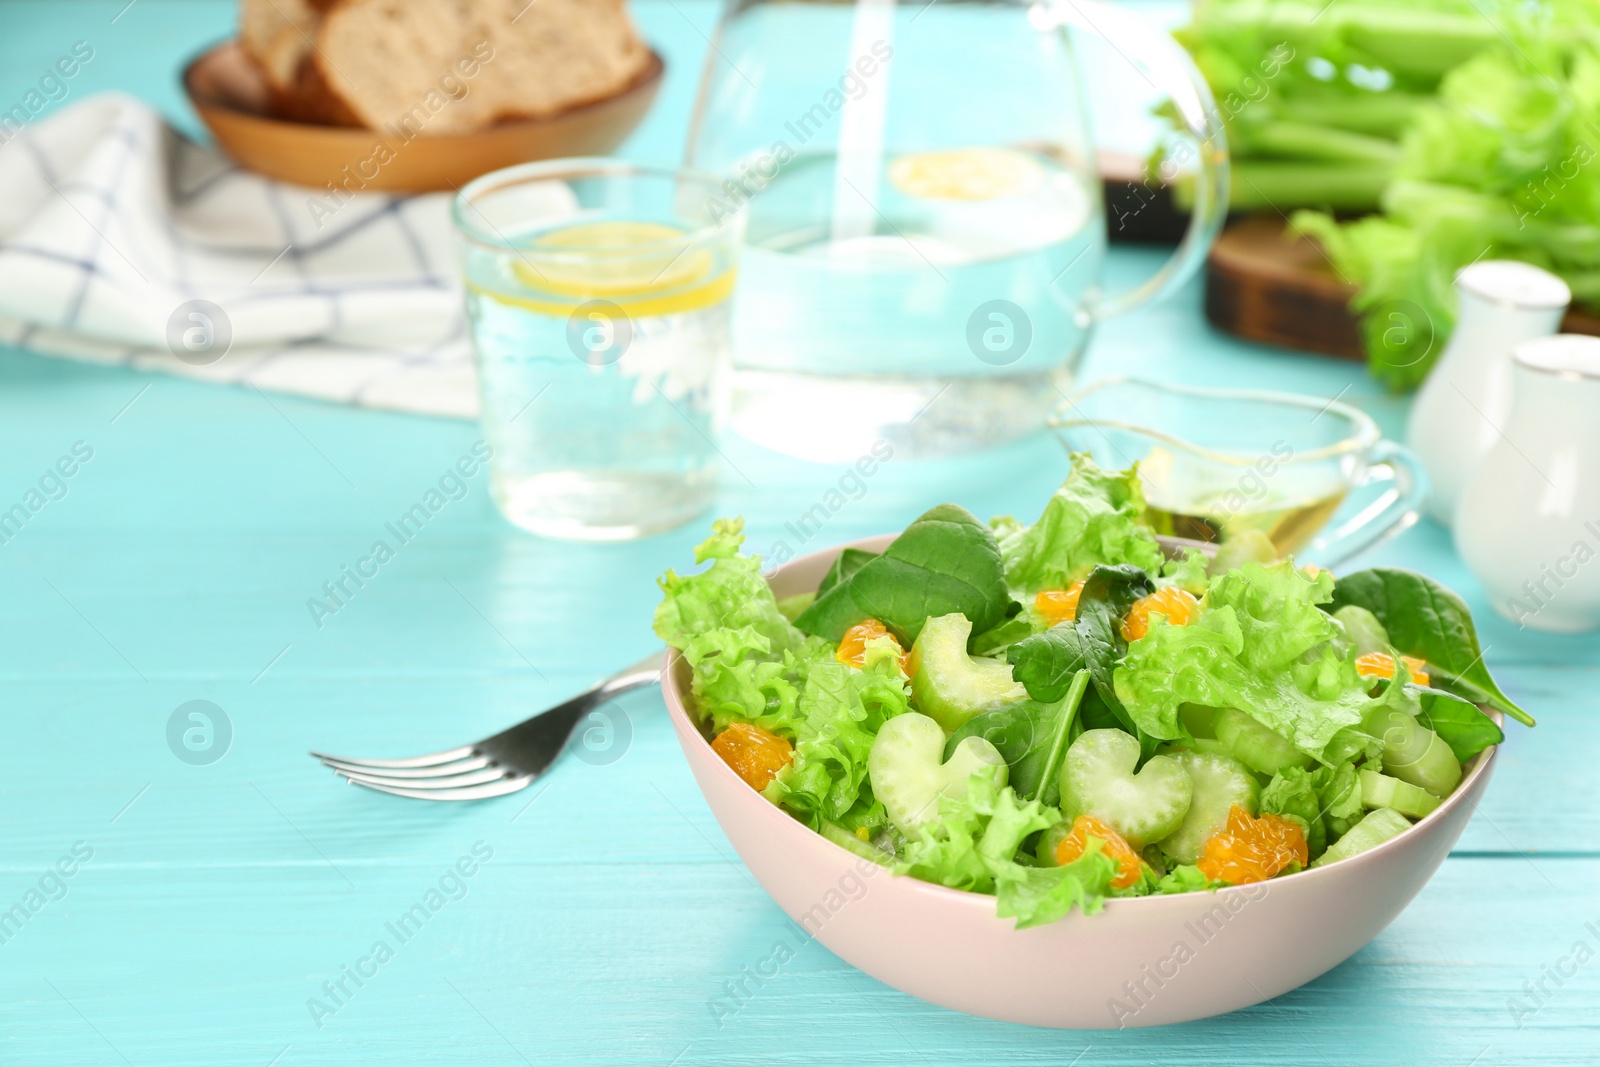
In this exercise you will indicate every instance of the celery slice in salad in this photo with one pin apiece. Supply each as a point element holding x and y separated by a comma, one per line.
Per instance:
<point>855,843</point>
<point>907,773</point>
<point>950,686</point>
<point>1363,630</point>
<point>1098,779</point>
<point>1219,784</point>
<point>1412,752</point>
<point>1382,791</point>
<point>1254,744</point>
<point>1377,827</point>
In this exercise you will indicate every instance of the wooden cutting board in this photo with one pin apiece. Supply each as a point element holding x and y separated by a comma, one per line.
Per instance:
<point>1264,286</point>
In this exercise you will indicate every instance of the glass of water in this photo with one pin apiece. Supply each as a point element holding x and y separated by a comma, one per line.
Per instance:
<point>598,296</point>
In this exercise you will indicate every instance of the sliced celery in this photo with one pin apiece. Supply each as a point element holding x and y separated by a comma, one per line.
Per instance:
<point>950,686</point>
<point>1257,746</point>
<point>1382,791</point>
<point>1219,783</point>
<point>908,775</point>
<point>865,849</point>
<point>1362,627</point>
<point>1373,830</point>
<point>1412,752</point>
<point>1098,779</point>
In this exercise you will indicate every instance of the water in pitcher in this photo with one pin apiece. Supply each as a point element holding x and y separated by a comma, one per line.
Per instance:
<point>944,316</point>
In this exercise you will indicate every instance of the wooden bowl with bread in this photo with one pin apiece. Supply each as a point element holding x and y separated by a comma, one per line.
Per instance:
<point>351,96</point>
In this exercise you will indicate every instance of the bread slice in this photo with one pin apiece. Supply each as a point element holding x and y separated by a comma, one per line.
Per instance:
<point>280,36</point>
<point>277,34</point>
<point>450,66</point>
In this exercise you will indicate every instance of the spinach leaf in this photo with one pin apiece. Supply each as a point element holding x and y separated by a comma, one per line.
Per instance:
<point>945,562</point>
<point>1426,620</point>
<point>1032,738</point>
<point>1096,715</point>
<point>1050,789</point>
<point>844,568</point>
<point>1021,732</point>
<point>1002,637</point>
<point>1047,663</point>
<point>1107,595</point>
<point>1461,724</point>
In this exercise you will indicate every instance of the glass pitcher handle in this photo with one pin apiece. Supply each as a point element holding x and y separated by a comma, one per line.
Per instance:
<point>1165,65</point>
<point>1396,509</point>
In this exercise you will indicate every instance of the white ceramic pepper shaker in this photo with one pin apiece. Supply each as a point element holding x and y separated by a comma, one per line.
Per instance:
<point>1528,524</point>
<point>1457,414</point>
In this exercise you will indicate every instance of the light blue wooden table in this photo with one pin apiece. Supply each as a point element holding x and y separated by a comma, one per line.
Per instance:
<point>208,905</point>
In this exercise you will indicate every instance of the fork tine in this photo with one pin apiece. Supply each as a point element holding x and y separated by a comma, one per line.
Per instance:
<point>490,774</point>
<point>437,771</point>
<point>476,792</point>
<point>447,756</point>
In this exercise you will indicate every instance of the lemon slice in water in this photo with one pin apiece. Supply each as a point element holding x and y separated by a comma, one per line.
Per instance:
<point>643,266</point>
<point>966,174</point>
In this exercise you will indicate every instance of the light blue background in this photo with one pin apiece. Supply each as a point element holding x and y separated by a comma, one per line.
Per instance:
<point>220,898</point>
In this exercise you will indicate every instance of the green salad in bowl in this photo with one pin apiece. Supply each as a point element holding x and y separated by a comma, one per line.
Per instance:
<point>1076,710</point>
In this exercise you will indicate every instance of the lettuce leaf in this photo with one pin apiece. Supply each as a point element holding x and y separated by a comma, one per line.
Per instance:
<point>973,846</point>
<point>749,664</point>
<point>839,710</point>
<point>1262,645</point>
<point>728,595</point>
<point>1293,795</point>
<point>1339,792</point>
<point>1035,896</point>
<point>1184,878</point>
<point>740,648</point>
<point>973,836</point>
<point>1096,517</point>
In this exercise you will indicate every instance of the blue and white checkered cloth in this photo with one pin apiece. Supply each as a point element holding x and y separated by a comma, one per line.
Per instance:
<point>113,226</point>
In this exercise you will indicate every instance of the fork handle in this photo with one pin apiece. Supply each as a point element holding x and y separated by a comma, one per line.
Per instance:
<point>548,731</point>
<point>647,671</point>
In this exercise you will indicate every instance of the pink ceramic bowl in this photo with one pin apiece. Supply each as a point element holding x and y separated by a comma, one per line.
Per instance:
<point>1140,962</point>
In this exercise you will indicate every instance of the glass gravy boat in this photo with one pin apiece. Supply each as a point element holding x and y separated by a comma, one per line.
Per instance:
<point>1222,464</point>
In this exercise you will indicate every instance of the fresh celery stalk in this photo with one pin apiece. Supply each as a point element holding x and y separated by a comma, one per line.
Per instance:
<point>1261,183</point>
<point>1385,114</point>
<point>1300,140</point>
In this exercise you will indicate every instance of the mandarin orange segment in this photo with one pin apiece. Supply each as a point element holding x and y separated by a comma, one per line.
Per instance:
<point>1076,843</point>
<point>1252,850</point>
<point>756,755</point>
<point>1059,605</point>
<point>1180,607</point>
<point>853,646</point>
<point>1381,665</point>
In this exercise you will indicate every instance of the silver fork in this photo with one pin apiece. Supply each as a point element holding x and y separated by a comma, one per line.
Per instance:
<point>497,765</point>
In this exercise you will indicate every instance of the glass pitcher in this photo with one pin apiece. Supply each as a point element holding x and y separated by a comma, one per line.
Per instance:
<point>926,229</point>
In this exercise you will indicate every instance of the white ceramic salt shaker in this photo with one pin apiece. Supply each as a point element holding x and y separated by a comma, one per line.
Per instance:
<point>1528,524</point>
<point>1502,303</point>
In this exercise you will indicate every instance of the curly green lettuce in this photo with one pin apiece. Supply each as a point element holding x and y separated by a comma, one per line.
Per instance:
<point>749,664</point>
<point>839,710</point>
<point>740,648</point>
<point>1261,644</point>
<point>1096,517</point>
<point>973,846</point>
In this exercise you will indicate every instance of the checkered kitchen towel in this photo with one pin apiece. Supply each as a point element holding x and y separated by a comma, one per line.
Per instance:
<point>120,240</point>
